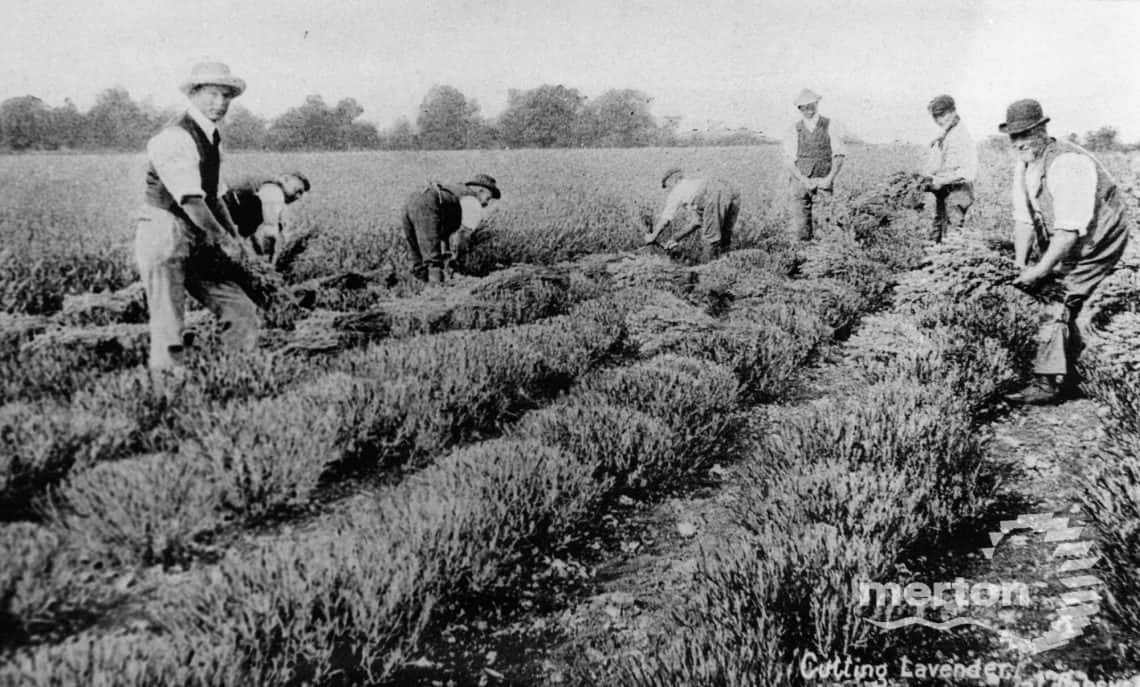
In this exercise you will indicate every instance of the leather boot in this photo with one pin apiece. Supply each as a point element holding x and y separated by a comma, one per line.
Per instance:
<point>1043,390</point>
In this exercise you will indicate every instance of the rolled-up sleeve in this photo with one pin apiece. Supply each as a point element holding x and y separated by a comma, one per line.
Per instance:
<point>471,211</point>
<point>1018,197</point>
<point>682,196</point>
<point>1072,183</point>
<point>272,203</point>
<point>672,203</point>
<point>175,159</point>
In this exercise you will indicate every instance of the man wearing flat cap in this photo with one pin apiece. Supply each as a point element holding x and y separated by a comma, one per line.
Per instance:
<point>183,213</point>
<point>708,204</point>
<point>433,217</point>
<point>814,152</point>
<point>951,168</point>
<point>1070,215</point>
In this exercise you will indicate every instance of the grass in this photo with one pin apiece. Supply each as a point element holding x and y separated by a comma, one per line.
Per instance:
<point>512,408</point>
<point>841,488</point>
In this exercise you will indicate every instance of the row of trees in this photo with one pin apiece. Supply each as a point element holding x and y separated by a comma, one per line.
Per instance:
<point>544,117</point>
<point>117,122</point>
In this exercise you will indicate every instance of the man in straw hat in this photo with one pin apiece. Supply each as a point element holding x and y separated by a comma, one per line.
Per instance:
<point>814,153</point>
<point>182,214</point>
<point>708,204</point>
<point>951,167</point>
<point>1067,212</point>
<point>432,216</point>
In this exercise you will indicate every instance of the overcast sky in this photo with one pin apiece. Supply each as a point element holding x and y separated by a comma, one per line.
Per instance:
<point>740,62</point>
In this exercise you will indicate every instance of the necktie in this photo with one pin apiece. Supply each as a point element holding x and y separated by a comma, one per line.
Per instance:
<point>217,138</point>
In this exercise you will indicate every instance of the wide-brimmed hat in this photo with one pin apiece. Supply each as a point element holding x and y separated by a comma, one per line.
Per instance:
<point>941,104</point>
<point>487,182</point>
<point>1021,116</point>
<point>807,97</point>
<point>212,74</point>
<point>669,174</point>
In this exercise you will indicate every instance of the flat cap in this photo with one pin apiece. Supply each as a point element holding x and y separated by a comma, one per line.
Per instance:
<point>941,104</point>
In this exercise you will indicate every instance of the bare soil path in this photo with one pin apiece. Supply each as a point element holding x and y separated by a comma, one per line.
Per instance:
<point>1035,540</point>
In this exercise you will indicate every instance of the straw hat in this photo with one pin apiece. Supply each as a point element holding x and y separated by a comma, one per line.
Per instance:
<point>212,74</point>
<point>807,97</point>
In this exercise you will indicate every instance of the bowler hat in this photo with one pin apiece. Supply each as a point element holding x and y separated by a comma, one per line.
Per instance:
<point>940,105</point>
<point>212,74</point>
<point>1021,116</point>
<point>669,174</point>
<point>486,182</point>
<point>807,97</point>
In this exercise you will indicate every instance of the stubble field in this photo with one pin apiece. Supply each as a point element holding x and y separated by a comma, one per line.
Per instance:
<point>316,512</point>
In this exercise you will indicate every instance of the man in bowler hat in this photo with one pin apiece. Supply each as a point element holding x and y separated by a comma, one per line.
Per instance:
<point>1068,214</point>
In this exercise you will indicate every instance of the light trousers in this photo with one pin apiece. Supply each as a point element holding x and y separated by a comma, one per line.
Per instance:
<point>162,251</point>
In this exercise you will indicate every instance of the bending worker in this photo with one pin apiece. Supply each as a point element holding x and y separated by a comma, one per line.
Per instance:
<point>951,166</point>
<point>814,152</point>
<point>1067,210</point>
<point>257,207</point>
<point>707,204</point>
<point>433,215</point>
<point>183,214</point>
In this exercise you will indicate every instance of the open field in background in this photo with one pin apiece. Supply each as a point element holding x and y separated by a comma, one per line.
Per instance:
<point>68,220</point>
<point>311,517</point>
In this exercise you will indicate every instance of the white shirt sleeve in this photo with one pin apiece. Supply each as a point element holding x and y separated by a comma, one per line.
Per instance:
<point>175,159</point>
<point>933,160</point>
<point>791,144</point>
<point>1018,197</point>
<point>472,211</point>
<point>959,157</point>
<point>672,203</point>
<point>969,155</point>
<point>837,133</point>
<point>272,203</point>
<point>1072,183</point>
<point>682,195</point>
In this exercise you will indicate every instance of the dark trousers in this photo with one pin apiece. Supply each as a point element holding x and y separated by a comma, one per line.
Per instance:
<point>800,202</point>
<point>1059,338</point>
<point>719,208</point>
<point>950,206</point>
<point>430,217</point>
